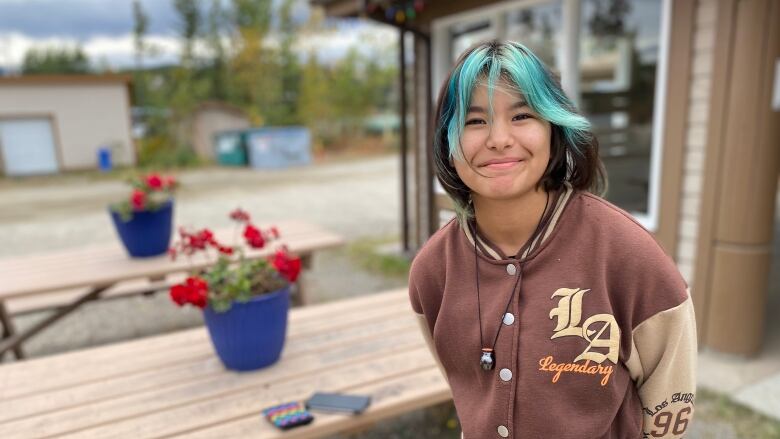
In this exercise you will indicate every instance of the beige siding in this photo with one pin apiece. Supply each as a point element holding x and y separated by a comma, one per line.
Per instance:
<point>84,116</point>
<point>695,145</point>
<point>208,123</point>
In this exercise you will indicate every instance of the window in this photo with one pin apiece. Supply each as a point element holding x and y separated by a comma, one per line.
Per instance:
<point>538,28</point>
<point>619,51</point>
<point>610,57</point>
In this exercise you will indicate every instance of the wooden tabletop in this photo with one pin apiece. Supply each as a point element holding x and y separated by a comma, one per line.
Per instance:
<point>174,385</point>
<point>98,266</point>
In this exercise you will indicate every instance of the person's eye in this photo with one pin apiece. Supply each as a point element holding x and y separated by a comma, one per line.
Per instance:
<point>522,116</point>
<point>475,122</point>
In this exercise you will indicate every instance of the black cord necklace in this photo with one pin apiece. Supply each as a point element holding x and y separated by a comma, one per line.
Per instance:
<point>488,357</point>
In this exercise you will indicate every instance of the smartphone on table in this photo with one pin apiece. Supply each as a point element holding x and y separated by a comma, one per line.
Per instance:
<point>337,402</point>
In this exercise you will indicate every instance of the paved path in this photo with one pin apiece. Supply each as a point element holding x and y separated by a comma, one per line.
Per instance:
<point>355,199</point>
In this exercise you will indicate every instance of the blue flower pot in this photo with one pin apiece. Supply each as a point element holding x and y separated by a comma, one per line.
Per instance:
<point>250,335</point>
<point>148,233</point>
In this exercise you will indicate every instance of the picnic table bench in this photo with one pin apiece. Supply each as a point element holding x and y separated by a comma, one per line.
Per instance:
<point>67,279</point>
<point>173,385</point>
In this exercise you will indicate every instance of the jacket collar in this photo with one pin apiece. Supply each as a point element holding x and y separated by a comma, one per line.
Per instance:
<point>492,251</point>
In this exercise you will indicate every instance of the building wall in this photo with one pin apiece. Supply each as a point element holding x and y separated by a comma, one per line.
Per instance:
<point>84,116</point>
<point>209,122</point>
<point>696,139</point>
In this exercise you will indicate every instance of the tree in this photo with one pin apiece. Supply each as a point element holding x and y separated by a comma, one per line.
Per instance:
<point>218,70</point>
<point>187,91</point>
<point>313,101</point>
<point>256,79</point>
<point>284,112</point>
<point>189,13</point>
<point>55,60</point>
<point>381,85</point>
<point>349,96</point>
<point>140,26</point>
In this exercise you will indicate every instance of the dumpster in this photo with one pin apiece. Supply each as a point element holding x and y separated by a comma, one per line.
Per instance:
<point>230,148</point>
<point>278,147</point>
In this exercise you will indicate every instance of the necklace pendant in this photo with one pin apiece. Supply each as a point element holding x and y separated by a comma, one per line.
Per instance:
<point>488,360</point>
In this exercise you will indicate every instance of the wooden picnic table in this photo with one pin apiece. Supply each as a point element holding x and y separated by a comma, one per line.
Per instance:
<point>174,385</point>
<point>73,277</point>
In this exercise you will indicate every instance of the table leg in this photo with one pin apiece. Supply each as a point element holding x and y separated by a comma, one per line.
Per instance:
<point>306,261</point>
<point>15,341</point>
<point>153,280</point>
<point>8,331</point>
<point>299,297</point>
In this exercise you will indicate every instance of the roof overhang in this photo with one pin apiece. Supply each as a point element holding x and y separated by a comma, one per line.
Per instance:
<point>70,80</point>
<point>65,79</point>
<point>357,8</point>
<point>340,8</point>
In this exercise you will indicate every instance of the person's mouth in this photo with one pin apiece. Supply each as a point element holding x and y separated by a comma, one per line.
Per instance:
<point>500,164</point>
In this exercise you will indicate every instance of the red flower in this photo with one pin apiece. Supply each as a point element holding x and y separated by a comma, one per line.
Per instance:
<point>154,181</point>
<point>288,267</point>
<point>195,243</point>
<point>138,199</point>
<point>198,240</point>
<point>194,291</point>
<point>170,182</point>
<point>172,253</point>
<point>199,289</point>
<point>254,238</point>
<point>179,294</point>
<point>225,250</point>
<point>240,215</point>
<point>207,236</point>
<point>275,232</point>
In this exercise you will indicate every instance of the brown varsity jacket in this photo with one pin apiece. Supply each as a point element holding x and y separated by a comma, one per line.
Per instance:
<point>599,340</point>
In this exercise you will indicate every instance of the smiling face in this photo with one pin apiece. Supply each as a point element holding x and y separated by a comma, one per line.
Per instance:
<point>504,156</point>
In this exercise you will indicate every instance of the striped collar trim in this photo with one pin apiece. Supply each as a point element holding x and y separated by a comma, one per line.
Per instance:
<point>491,251</point>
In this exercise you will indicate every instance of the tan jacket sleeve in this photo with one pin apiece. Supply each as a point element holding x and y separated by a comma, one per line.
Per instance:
<point>663,365</point>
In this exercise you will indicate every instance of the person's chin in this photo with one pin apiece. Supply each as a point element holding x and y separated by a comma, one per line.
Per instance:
<point>507,194</point>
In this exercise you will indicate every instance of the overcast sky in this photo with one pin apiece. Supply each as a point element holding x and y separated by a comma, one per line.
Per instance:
<point>103,28</point>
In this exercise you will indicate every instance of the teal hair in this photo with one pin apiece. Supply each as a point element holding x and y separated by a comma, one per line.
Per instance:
<point>524,70</point>
<point>573,149</point>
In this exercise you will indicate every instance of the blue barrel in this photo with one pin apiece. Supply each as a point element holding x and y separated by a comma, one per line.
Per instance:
<point>104,159</point>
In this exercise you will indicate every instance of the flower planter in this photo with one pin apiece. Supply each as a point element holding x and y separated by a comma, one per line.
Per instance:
<point>250,335</point>
<point>147,233</point>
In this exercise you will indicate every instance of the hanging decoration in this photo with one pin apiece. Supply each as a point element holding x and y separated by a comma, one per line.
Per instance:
<point>395,11</point>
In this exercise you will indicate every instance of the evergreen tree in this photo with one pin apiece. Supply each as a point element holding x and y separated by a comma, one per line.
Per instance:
<point>284,113</point>
<point>218,69</point>
<point>55,60</point>
<point>313,101</point>
<point>256,84</point>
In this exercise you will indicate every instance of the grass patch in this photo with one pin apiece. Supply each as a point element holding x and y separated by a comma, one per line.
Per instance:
<point>715,408</point>
<point>369,254</point>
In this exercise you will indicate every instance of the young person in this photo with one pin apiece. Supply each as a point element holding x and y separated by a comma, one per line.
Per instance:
<point>552,313</point>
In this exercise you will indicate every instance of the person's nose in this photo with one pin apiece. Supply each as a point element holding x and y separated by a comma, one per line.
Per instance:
<point>499,137</point>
